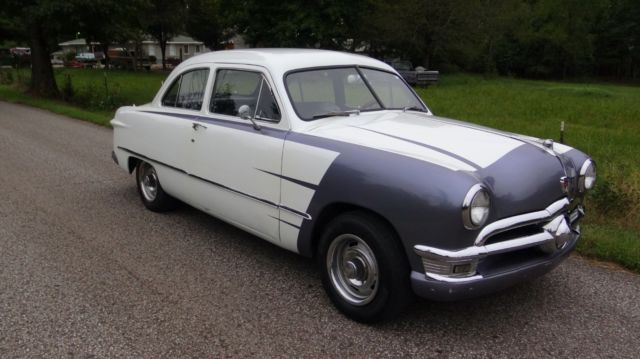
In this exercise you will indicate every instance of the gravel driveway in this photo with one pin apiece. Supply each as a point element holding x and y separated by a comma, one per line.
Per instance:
<point>86,271</point>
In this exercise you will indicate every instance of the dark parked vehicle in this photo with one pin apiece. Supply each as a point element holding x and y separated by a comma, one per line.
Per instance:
<point>126,59</point>
<point>414,76</point>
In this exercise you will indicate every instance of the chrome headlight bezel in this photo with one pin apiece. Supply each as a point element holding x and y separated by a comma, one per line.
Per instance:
<point>477,198</point>
<point>588,175</point>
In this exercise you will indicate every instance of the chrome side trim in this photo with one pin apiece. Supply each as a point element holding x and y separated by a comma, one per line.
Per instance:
<point>304,215</point>
<point>297,213</point>
<point>520,220</point>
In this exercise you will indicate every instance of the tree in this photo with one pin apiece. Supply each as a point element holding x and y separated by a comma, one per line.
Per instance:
<point>617,45</point>
<point>42,23</point>
<point>330,24</point>
<point>206,23</point>
<point>165,19</point>
<point>429,32</point>
<point>116,18</point>
<point>39,24</point>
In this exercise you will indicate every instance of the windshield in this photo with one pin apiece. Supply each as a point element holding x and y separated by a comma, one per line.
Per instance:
<point>346,90</point>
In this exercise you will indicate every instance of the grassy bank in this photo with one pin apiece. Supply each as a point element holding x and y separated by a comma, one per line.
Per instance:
<point>12,94</point>
<point>91,95</point>
<point>602,120</point>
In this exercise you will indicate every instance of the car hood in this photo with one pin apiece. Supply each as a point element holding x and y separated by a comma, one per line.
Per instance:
<point>521,173</point>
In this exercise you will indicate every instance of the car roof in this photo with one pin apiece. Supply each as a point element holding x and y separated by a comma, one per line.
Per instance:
<point>281,60</point>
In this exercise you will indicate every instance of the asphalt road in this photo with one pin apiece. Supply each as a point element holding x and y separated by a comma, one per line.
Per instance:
<point>86,271</point>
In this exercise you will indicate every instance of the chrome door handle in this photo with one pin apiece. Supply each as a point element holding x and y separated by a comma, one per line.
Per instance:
<point>197,125</point>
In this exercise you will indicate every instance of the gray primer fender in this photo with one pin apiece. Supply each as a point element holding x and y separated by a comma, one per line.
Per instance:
<point>421,200</point>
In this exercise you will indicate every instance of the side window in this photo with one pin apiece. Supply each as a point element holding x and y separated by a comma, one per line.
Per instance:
<point>187,91</point>
<point>171,96</point>
<point>267,107</point>
<point>235,88</point>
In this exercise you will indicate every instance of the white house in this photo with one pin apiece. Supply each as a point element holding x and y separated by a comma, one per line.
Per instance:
<point>179,47</point>
<point>79,46</point>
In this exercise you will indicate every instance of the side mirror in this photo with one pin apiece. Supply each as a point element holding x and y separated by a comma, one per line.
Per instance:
<point>245,113</point>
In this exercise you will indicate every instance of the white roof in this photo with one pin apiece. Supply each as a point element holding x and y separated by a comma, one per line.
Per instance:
<point>280,61</point>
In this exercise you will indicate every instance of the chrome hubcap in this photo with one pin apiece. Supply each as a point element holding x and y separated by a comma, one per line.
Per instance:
<point>353,269</point>
<point>148,182</point>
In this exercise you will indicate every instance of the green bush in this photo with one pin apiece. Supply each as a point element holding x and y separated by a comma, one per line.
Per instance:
<point>608,199</point>
<point>6,77</point>
<point>67,88</point>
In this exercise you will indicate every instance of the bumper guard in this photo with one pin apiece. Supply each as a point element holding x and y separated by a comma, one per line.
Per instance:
<point>558,231</point>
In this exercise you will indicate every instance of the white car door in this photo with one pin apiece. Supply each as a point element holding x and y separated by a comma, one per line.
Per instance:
<point>236,161</point>
<point>160,134</point>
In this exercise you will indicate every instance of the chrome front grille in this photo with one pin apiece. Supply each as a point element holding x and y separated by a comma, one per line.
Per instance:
<point>516,232</point>
<point>549,229</point>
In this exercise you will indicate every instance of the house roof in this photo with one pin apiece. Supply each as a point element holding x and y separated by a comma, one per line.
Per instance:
<point>183,39</point>
<point>180,39</point>
<point>77,42</point>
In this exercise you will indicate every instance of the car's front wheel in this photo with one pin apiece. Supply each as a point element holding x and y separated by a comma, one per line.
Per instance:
<point>363,267</point>
<point>151,192</point>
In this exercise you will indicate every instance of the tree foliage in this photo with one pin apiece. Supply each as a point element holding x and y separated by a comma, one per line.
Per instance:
<point>205,23</point>
<point>163,20</point>
<point>532,38</point>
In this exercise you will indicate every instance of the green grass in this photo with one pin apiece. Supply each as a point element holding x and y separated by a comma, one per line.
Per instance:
<point>125,88</point>
<point>611,243</point>
<point>602,120</point>
<point>12,94</point>
<point>130,88</point>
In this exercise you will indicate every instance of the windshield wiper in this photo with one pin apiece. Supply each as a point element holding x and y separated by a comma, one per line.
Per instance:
<point>413,108</point>
<point>337,113</point>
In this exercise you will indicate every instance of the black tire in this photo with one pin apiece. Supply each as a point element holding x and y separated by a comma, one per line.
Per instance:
<point>352,233</point>
<point>159,201</point>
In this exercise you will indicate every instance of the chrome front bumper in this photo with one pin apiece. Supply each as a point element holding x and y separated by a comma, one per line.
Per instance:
<point>553,230</point>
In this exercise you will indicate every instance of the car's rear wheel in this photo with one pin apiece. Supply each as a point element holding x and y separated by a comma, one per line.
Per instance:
<point>363,267</point>
<point>151,193</point>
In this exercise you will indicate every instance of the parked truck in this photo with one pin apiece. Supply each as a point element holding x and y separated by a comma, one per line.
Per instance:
<point>414,76</point>
<point>126,59</point>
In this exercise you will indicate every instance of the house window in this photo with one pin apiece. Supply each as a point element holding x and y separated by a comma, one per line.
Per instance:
<point>197,48</point>
<point>186,49</point>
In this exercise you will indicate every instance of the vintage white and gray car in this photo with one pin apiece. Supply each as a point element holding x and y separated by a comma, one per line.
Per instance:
<point>333,156</point>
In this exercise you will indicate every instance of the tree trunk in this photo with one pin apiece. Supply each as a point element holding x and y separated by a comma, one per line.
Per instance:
<point>105,51</point>
<point>136,55</point>
<point>43,83</point>
<point>163,48</point>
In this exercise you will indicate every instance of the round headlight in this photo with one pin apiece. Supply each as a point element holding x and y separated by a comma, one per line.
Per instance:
<point>587,178</point>
<point>475,208</point>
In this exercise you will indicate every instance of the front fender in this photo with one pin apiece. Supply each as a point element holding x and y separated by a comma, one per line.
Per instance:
<point>422,201</point>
